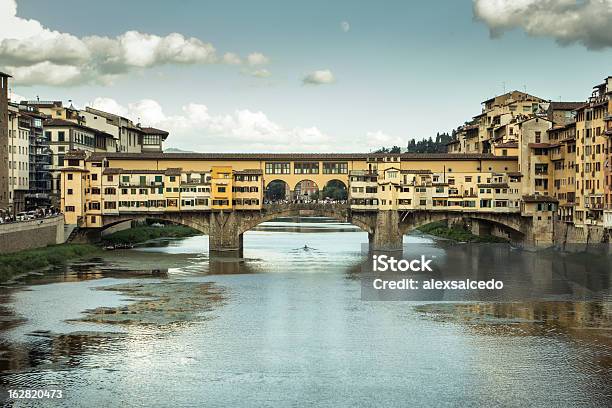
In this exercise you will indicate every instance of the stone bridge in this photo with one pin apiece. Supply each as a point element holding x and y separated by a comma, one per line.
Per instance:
<point>385,228</point>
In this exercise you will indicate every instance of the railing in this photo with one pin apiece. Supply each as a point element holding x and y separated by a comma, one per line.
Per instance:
<point>195,182</point>
<point>283,205</point>
<point>141,185</point>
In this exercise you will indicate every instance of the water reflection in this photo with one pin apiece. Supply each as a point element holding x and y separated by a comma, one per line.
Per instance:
<point>286,326</point>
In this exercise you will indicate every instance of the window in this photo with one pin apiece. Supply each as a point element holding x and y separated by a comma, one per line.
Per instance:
<point>61,136</point>
<point>69,176</point>
<point>221,189</point>
<point>151,140</point>
<point>335,167</point>
<point>172,179</point>
<point>158,179</point>
<point>69,191</point>
<point>538,137</point>
<point>69,208</point>
<point>110,205</point>
<point>125,179</point>
<point>278,168</point>
<point>306,168</point>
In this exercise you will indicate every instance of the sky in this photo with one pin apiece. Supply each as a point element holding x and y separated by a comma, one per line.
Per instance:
<point>318,76</point>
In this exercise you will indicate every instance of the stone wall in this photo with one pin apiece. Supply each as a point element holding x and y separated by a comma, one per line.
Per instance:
<point>590,238</point>
<point>121,226</point>
<point>38,233</point>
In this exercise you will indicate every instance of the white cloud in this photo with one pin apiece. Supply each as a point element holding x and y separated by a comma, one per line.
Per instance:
<point>195,128</point>
<point>15,97</point>
<point>257,58</point>
<point>232,59</point>
<point>261,73</point>
<point>320,77</point>
<point>587,22</point>
<point>345,26</point>
<point>35,54</point>
<point>378,139</point>
<point>46,73</point>
<point>110,105</point>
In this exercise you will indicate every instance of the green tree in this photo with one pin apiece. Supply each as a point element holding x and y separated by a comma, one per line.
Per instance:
<point>277,190</point>
<point>335,189</point>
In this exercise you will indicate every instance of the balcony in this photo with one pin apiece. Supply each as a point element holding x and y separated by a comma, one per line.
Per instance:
<point>195,182</point>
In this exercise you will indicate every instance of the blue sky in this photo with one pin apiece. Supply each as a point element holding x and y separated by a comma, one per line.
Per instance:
<point>402,70</point>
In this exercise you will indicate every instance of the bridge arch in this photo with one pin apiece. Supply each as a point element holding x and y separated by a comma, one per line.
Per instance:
<point>335,189</point>
<point>198,223</point>
<point>277,189</point>
<point>338,212</point>
<point>306,189</point>
<point>511,226</point>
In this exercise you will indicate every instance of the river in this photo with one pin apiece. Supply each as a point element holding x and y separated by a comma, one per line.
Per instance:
<point>286,326</point>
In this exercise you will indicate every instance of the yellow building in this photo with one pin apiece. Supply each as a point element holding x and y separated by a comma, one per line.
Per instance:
<point>534,162</point>
<point>116,183</point>
<point>591,153</point>
<point>562,154</point>
<point>247,190</point>
<point>221,188</point>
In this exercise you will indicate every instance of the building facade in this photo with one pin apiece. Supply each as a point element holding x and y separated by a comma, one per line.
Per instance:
<point>18,159</point>
<point>65,136</point>
<point>113,183</point>
<point>5,200</point>
<point>591,153</point>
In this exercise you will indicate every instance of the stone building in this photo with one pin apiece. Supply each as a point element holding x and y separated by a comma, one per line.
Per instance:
<point>591,144</point>
<point>5,199</point>
<point>18,159</point>
<point>65,136</point>
<point>562,154</point>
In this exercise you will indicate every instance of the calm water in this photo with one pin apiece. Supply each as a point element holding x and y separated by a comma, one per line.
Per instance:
<point>291,330</point>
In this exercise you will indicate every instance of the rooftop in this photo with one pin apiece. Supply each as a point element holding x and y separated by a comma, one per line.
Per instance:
<point>67,123</point>
<point>507,145</point>
<point>154,131</point>
<point>539,199</point>
<point>294,156</point>
<point>493,185</point>
<point>249,171</point>
<point>567,106</point>
<point>76,154</point>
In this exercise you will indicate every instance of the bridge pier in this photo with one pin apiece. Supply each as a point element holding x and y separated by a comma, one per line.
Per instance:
<point>225,238</point>
<point>480,228</point>
<point>539,234</point>
<point>387,235</point>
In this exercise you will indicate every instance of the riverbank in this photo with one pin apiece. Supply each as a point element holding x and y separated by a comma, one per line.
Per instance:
<point>457,233</point>
<point>144,233</point>
<point>16,263</point>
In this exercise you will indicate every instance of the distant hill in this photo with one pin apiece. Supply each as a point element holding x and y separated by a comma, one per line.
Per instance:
<point>175,150</point>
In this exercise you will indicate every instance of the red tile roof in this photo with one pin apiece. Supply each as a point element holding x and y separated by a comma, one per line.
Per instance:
<point>294,156</point>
